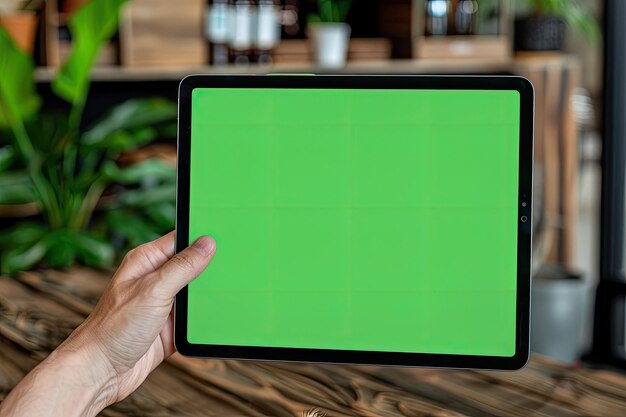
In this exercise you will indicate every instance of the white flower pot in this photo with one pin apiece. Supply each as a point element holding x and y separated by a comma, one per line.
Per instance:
<point>329,43</point>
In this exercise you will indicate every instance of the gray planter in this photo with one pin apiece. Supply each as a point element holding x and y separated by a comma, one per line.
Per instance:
<point>560,305</point>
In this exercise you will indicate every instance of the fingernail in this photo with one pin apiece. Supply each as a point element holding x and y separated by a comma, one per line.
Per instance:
<point>205,245</point>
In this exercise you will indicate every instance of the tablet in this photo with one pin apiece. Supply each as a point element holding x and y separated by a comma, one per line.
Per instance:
<point>358,219</point>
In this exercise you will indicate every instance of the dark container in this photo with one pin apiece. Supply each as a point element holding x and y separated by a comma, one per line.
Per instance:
<point>539,33</point>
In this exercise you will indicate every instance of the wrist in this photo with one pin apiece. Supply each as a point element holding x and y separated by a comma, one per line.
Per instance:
<point>85,378</point>
<point>62,385</point>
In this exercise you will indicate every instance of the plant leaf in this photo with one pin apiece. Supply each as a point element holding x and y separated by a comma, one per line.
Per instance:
<point>17,188</point>
<point>22,234</point>
<point>47,132</point>
<point>89,249</point>
<point>25,256</point>
<point>22,258</point>
<point>149,170</point>
<point>18,98</point>
<point>331,11</point>
<point>67,246</point>
<point>132,115</point>
<point>578,18</point>
<point>7,153</point>
<point>90,26</point>
<point>163,214</point>
<point>313,18</point>
<point>133,228</point>
<point>63,253</point>
<point>123,140</point>
<point>144,197</point>
<point>573,12</point>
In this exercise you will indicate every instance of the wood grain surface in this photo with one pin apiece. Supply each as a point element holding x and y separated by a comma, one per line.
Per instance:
<point>39,309</point>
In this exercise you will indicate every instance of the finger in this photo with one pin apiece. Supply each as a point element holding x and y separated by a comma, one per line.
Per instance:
<point>148,257</point>
<point>184,266</point>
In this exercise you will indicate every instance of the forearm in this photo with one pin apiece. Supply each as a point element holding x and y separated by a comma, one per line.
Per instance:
<point>61,385</point>
<point>126,336</point>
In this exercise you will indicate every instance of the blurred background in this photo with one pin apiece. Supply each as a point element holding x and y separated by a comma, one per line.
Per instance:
<point>88,135</point>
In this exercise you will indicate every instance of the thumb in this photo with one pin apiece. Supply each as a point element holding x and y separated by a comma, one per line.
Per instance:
<point>186,265</point>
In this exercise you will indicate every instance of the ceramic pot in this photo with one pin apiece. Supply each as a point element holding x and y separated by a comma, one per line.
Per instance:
<point>21,27</point>
<point>329,44</point>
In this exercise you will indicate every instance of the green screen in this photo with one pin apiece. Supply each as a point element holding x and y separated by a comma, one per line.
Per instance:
<point>379,220</point>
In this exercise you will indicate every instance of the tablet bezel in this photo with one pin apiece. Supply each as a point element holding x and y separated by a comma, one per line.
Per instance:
<point>525,89</point>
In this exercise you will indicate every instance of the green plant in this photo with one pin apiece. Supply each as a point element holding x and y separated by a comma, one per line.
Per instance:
<point>330,11</point>
<point>571,12</point>
<point>49,158</point>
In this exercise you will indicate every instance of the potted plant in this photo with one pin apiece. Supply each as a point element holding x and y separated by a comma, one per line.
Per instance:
<point>542,26</point>
<point>19,19</point>
<point>49,158</point>
<point>329,33</point>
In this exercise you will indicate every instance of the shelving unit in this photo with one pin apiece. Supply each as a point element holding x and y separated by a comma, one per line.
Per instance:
<point>161,33</point>
<point>555,77</point>
<point>115,73</point>
<point>496,46</point>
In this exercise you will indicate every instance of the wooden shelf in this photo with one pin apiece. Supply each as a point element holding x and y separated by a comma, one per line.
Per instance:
<point>451,66</point>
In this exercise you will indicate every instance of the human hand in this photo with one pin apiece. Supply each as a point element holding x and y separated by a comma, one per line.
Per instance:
<point>129,333</point>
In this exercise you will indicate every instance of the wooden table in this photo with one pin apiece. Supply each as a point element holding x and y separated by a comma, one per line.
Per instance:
<point>38,310</point>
